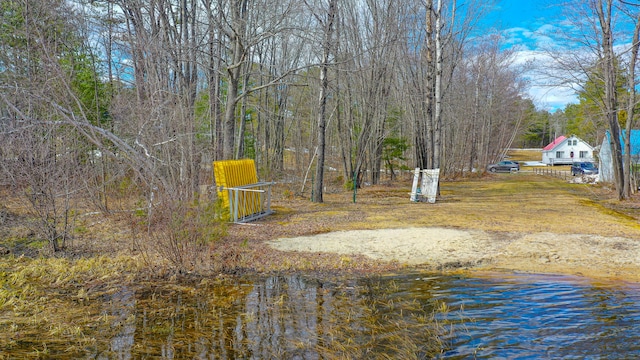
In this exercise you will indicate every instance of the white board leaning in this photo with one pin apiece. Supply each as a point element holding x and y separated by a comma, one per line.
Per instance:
<point>428,180</point>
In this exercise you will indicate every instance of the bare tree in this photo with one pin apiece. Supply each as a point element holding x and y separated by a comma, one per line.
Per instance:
<point>603,9</point>
<point>484,110</point>
<point>589,58</point>
<point>47,174</point>
<point>435,47</point>
<point>633,12</point>
<point>369,47</point>
<point>327,47</point>
<point>47,89</point>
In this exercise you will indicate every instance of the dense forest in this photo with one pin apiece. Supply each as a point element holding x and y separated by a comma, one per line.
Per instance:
<point>134,99</point>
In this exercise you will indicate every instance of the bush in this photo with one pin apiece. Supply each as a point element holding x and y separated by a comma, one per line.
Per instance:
<point>183,232</point>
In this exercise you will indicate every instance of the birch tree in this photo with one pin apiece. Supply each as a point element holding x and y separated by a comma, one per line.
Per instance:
<point>440,40</point>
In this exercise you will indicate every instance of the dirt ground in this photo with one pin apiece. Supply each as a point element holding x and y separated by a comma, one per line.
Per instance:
<point>507,222</point>
<point>441,248</point>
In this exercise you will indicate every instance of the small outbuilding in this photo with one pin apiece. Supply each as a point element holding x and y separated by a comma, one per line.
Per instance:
<point>567,150</point>
<point>605,163</point>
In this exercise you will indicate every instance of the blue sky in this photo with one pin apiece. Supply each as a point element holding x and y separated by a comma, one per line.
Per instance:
<point>529,14</point>
<point>526,25</point>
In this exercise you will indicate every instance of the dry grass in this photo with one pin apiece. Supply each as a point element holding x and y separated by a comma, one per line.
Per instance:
<point>525,155</point>
<point>499,203</point>
<point>503,204</point>
<point>55,298</point>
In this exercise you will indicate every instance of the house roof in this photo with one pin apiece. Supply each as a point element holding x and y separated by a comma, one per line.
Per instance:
<point>555,142</point>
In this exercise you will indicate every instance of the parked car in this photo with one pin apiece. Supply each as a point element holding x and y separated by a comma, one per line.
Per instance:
<point>504,166</point>
<point>583,168</point>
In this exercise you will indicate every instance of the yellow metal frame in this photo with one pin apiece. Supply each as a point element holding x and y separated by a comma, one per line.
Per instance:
<point>238,187</point>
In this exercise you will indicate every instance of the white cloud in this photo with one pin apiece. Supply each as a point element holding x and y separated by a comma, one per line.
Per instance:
<point>552,98</point>
<point>546,90</point>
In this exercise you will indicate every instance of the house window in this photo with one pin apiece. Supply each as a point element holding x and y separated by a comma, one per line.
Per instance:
<point>584,154</point>
<point>559,154</point>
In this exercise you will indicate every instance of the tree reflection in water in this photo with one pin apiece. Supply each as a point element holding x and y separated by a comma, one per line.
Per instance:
<point>278,317</point>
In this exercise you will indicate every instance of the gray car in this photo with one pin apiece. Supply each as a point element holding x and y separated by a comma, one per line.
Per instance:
<point>505,165</point>
<point>583,168</point>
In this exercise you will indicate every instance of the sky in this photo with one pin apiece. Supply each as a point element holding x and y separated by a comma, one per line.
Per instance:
<point>526,25</point>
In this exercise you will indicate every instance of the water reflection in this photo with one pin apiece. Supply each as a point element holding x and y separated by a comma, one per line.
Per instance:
<point>289,317</point>
<point>121,308</point>
<point>542,317</point>
<point>298,317</point>
<point>283,314</point>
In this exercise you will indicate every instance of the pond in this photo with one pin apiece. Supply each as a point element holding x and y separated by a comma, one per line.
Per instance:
<point>397,316</point>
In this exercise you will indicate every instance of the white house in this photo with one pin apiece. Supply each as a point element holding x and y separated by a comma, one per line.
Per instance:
<point>605,165</point>
<point>567,150</point>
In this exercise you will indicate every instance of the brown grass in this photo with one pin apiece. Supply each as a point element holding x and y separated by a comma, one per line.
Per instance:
<point>499,203</point>
<point>502,203</point>
<point>525,155</point>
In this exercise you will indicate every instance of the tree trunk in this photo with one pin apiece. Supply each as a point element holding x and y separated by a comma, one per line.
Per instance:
<point>631,105</point>
<point>604,11</point>
<point>233,71</point>
<point>437,91</point>
<point>324,88</point>
<point>427,147</point>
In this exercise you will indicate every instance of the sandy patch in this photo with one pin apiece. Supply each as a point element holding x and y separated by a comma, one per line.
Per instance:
<point>440,248</point>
